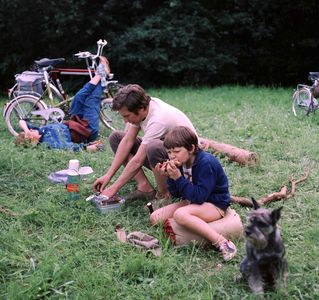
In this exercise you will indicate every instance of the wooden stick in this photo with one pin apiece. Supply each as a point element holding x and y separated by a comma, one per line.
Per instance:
<point>282,194</point>
<point>8,211</point>
<point>241,201</point>
<point>241,156</point>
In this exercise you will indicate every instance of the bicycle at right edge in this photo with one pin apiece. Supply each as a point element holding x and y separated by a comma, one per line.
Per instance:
<point>304,99</point>
<point>52,105</point>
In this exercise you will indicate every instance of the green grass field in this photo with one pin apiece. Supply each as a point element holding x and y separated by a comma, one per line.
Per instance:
<point>58,249</point>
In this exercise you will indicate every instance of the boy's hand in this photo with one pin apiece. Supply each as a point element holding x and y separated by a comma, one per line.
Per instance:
<point>172,170</point>
<point>161,169</point>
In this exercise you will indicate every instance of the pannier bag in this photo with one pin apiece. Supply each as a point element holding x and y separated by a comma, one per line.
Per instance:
<point>30,83</point>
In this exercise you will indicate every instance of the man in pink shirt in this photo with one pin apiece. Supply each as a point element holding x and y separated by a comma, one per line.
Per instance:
<point>154,118</point>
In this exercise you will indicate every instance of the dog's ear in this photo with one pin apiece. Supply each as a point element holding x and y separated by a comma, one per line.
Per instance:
<point>275,215</point>
<point>255,203</point>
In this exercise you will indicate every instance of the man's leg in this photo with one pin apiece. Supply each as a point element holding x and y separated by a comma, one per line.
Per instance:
<point>156,153</point>
<point>142,181</point>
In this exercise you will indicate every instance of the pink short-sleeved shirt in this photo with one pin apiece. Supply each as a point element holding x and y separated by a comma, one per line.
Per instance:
<point>160,119</point>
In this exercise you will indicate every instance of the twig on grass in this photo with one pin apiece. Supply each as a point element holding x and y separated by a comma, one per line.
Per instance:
<point>8,211</point>
<point>282,194</point>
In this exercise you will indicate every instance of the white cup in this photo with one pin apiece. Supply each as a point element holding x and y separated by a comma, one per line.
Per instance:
<point>74,164</point>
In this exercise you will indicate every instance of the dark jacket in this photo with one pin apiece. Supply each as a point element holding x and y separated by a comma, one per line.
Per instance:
<point>210,183</point>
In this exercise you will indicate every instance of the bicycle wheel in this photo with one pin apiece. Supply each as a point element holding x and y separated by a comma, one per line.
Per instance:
<point>112,89</point>
<point>301,101</point>
<point>20,108</point>
<point>111,119</point>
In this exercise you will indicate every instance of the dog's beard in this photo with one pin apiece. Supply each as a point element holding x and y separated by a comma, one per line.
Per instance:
<point>259,242</point>
<point>259,237</point>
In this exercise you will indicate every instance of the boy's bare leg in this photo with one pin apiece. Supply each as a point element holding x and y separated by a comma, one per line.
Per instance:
<point>162,214</point>
<point>196,218</point>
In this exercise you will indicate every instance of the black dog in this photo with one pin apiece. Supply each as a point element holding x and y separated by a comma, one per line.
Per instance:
<point>264,263</point>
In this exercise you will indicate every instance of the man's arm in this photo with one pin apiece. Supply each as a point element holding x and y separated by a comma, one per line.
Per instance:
<point>120,157</point>
<point>130,170</point>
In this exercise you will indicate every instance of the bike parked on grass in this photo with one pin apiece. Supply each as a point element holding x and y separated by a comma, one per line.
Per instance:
<point>42,99</point>
<point>304,99</point>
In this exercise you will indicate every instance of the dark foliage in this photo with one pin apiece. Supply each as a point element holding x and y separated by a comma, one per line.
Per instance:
<point>168,42</point>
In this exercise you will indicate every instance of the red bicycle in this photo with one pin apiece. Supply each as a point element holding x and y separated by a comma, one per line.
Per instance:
<point>38,96</point>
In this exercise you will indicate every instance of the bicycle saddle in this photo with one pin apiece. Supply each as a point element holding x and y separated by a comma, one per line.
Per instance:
<point>45,62</point>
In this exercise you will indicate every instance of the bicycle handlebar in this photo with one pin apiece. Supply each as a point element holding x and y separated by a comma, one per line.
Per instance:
<point>84,54</point>
<point>87,54</point>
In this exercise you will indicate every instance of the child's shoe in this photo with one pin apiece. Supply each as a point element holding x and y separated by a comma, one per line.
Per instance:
<point>102,71</point>
<point>228,250</point>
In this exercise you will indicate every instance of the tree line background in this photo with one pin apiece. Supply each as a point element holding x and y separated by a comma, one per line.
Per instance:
<point>167,43</point>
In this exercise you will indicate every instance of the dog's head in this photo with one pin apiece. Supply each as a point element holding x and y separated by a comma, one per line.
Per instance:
<point>262,225</point>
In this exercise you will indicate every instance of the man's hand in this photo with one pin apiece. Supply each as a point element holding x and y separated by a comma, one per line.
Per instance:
<point>109,192</point>
<point>100,184</point>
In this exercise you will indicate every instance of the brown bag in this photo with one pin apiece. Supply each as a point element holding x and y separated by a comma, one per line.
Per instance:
<point>78,129</point>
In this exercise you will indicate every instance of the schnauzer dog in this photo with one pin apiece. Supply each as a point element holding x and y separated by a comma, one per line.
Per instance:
<point>264,263</point>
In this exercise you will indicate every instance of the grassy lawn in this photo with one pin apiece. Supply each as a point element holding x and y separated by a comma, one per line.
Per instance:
<point>57,249</point>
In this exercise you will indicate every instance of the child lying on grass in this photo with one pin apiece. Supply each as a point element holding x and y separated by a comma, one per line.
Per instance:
<point>198,178</point>
<point>53,136</point>
<point>86,105</point>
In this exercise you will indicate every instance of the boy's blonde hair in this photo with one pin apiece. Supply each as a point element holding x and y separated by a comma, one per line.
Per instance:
<point>25,140</point>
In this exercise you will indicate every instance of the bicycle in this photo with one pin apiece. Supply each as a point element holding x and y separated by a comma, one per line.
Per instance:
<point>55,73</point>
<point>52,104</point>
<point>304,99</point>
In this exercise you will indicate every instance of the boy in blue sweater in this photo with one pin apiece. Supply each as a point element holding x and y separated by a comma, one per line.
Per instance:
<point>198,179</point>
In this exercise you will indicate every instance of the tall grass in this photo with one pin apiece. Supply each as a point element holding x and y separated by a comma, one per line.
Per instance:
<point>58,249</point>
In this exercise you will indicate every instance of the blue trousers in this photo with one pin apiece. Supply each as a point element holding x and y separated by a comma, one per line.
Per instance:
<point>86,104</point>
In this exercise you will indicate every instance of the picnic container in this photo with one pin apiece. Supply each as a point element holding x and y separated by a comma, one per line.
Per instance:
<point>105,206</point>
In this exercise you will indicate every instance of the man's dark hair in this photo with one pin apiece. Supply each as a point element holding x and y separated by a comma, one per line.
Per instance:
<point>132,96</point>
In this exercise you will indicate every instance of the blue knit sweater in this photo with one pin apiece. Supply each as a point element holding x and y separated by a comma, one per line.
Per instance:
<point>209,182</point>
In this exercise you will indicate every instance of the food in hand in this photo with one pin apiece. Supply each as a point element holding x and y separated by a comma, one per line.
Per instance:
<point>176,162</point>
